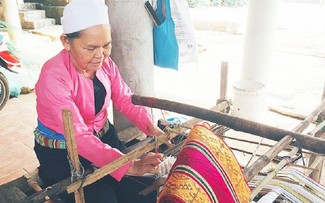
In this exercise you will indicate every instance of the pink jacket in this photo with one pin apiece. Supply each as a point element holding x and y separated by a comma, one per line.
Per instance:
<point>60,86</point>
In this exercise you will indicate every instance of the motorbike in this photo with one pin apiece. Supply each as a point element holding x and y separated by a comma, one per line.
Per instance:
<point>4,90</point>
<point>7,61</point>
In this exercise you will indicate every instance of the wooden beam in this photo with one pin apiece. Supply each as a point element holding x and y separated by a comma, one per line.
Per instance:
<point>55,189</point>
<point>287,112</point>
<point>38,188</point>
<point>73,153</point>
<point>316,175</point>
<point>239,124</point>
<point>109,168</point>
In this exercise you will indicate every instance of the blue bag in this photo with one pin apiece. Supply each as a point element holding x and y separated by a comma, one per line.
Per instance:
<point>164,39</point>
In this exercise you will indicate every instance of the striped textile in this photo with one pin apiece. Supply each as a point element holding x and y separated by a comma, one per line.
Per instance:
<point>206,170</point>
<point>292,185</point>
<point>47,142</point>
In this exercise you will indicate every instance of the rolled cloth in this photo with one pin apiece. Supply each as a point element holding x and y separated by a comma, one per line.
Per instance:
<point>205,170</point>
<point>81,14</point>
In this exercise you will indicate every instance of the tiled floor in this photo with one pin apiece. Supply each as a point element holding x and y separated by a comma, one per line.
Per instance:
<point>18,119</point>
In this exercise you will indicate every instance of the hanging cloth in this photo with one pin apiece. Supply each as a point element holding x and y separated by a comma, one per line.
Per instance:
<point>184,31</point>
<point>164,39</point>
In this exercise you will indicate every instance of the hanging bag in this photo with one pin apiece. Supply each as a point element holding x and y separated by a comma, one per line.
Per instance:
<point>164,39</point>
<point>184,31</point>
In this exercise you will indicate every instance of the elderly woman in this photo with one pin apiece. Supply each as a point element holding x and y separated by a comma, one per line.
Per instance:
<point>84,79</point>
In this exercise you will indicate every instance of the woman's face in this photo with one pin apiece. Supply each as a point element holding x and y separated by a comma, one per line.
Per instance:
<point>89,50</point>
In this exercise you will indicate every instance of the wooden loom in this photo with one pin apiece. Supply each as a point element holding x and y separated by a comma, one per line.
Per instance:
<point>295,139</point>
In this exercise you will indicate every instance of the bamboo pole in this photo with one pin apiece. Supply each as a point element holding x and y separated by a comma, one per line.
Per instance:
<point>261,162</point>
<point>274,172</point>
<point>284,111</point>
<point>73,152</point>
<point>314,164</point>
<point>239,124</point>
<point>257,166</point>
<point>316,174</point>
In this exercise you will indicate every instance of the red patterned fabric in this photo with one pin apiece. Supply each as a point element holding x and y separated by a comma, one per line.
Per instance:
<point>206,170</point>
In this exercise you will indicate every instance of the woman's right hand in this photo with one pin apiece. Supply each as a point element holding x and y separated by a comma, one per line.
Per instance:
<point>147,164</point>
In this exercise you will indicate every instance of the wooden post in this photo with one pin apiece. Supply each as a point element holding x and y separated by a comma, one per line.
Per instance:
<point>223,87</point>
<point>223,82</point>
<point>239,124</point>
<point>73,152</point>
<point>316,174</point>
<point>314,165</point>
<point>322,114</point>
<point>317,161</point>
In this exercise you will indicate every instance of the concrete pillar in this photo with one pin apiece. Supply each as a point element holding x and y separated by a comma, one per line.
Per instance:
<point>12,20</point>
<point>259,39</point>
<point>132,48</point>
<point>258,48</point>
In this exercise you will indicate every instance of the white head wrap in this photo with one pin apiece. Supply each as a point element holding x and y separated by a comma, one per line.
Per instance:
<point>82,14</point>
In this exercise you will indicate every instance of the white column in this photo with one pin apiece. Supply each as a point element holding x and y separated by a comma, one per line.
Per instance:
<point>132,48</point>
<point>259,39</point>
<point>258,48</point>
<point>12,20</point>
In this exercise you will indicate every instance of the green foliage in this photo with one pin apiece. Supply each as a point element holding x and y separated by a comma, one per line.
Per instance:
<point>198,3</point>
<point>228,3</point>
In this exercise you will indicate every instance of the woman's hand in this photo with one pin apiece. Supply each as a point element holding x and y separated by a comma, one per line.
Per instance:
<point>146,164</point>
<point>154,130</point>
<point>163,137</point>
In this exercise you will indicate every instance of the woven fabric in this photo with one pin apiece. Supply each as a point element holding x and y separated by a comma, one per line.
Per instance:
<point>48,142</point>
<point>206,170</point>
<point>45,136</point>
